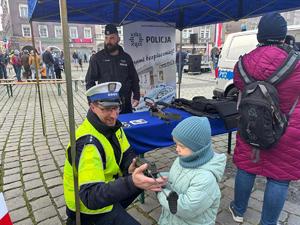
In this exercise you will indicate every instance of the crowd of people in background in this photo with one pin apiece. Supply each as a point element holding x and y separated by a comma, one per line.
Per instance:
<point>50,64</point>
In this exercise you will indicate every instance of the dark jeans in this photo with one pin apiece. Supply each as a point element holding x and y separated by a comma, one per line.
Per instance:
<point>177,67</point>
<point>3,72</point>
<point>17,69</point>
<point>274,196</point>
<point>58,73</point>
<point>118,216</point>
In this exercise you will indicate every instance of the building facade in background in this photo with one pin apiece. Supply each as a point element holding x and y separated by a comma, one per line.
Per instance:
<point>100,36</point>
<point>292,18</point>
<point>86,37</point>
<point>17,31</point>
<point>205,36</point>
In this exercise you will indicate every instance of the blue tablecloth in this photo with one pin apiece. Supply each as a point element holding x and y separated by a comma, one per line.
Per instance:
<point>156,133</point>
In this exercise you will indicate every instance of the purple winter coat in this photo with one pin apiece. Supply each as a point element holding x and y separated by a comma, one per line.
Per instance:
<point>282,162</point>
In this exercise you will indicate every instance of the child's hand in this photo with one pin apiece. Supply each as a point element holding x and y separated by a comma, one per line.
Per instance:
<point>147,183</point>
<point>163,181</point>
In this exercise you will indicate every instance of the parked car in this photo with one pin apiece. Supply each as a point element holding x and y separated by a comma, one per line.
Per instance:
<point>237,44</point>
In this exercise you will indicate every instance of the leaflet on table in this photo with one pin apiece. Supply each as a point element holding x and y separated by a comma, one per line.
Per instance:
<point>134,122</point>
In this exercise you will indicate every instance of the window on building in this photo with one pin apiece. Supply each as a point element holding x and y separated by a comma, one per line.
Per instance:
<point>58,31</point>
<point>26,32</point>
<point>87,32</point>
<point>73,32</point>
<point>43,31</point>
<point>202,34</point>
<point>23,10</point>
<point>207,34</point>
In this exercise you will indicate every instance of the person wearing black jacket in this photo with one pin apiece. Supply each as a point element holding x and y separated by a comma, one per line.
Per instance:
<point>113,64</point>
<point>49,61</point>
<point>109,179</point>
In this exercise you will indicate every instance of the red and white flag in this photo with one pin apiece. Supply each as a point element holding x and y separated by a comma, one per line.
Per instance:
<point>4,216</point>
<point>218,36</point>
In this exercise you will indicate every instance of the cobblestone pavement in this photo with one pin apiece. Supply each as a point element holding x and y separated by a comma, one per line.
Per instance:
<point>31,164</point>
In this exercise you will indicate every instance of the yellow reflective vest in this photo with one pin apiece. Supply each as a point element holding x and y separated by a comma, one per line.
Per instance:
<point>92,167</point>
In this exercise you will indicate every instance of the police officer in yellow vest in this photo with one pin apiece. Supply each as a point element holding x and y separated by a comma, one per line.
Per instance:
<point>107,176</point>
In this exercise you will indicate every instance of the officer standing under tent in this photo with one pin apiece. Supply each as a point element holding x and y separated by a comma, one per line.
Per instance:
<point>113,64</point>
<point>108,178</point>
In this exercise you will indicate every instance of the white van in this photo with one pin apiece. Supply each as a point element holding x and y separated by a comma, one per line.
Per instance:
<point>237,44</point>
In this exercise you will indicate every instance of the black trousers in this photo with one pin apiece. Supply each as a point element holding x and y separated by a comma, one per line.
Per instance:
<point>118,216</point>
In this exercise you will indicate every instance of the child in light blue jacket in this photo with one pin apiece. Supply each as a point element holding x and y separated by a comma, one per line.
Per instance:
<point>194,175</point>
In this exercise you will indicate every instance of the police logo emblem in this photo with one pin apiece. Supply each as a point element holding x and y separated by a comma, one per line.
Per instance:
<point>112,87</point>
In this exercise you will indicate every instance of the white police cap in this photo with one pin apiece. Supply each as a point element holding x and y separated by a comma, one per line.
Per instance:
<point>106,93</point>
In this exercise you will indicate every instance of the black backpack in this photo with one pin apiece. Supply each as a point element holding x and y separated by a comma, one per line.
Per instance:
<point>261,122</point>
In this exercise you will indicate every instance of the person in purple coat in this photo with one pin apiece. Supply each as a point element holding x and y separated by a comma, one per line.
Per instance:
<point>280,164</point>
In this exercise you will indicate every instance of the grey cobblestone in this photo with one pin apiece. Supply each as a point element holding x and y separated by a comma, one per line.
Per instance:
<point>19,214</point>
<point>24,222</point>
<point>51,221</point>
<point>31,176</point>
<point>292,208</point>
<point>54,182</point>
<point>12,171</point>
<point>29,163</point>
<point>51,174</point>
<point>11,165</point>
<point>29,170</point>
<point>149,205</point>
<point>11,159</point>
<point>252,216</point>
<point>56,191</point>
<point>40,203</point>
<point>33,184</point>
<point>13,193</point>
<point>294,220</point>
<point>140,217</point>
<point>36,193</point>
<point>48,168</point>
<point>44,213</point>
<point>15,203</point>
<point>62,212</point>
<point>10,186</point>
<point>59,201</point>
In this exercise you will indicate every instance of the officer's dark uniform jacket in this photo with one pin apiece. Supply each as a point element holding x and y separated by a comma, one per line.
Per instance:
<point>102,171</point>
<point>105,67</point>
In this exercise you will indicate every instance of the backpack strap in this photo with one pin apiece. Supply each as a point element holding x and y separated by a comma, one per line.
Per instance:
<point>293,108</point>
<point>285,69</point>
<point>285,47</point>
<point>246,78</point>
<point>81,143</point>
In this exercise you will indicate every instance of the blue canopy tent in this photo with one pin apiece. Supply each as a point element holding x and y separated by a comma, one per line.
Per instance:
<point>182,13</point>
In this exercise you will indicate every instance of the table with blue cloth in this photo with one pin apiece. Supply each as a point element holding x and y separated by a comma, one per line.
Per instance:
<point>156,133</point>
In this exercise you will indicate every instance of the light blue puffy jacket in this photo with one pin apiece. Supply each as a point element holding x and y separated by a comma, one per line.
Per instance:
<point>198,190</point>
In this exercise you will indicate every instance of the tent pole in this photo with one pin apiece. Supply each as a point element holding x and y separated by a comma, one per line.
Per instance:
<point>37,78</point>
<point>65,30</point>
<point>179,65</point>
